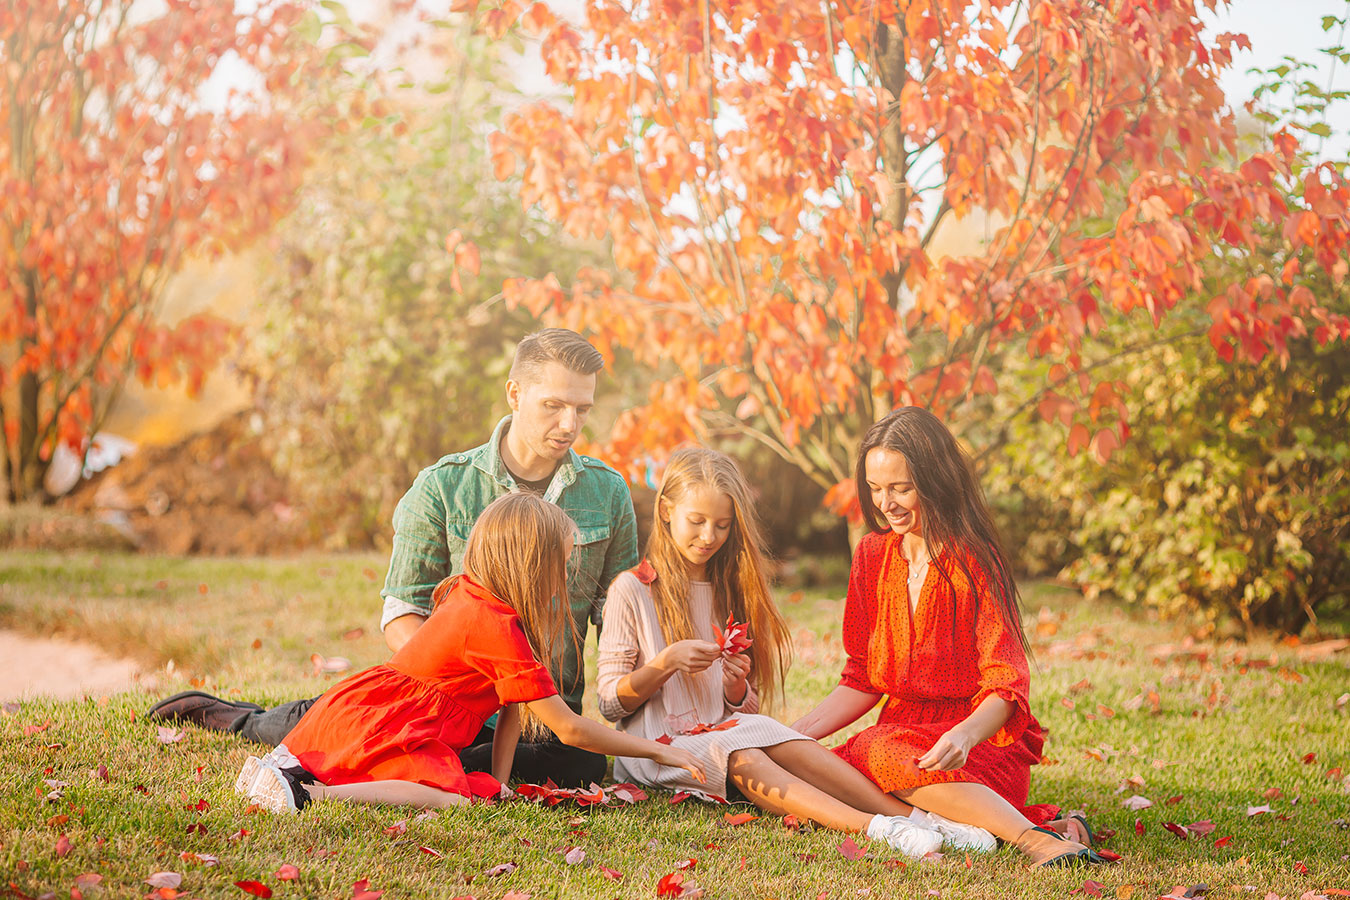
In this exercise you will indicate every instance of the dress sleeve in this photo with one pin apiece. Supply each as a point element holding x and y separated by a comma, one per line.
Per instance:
<point>507,660</point>
<point>618,647</point>
<point>859,619</point>
<point>1003,665</point>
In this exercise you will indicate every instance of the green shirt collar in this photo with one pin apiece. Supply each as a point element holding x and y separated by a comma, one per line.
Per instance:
<point>488,458</point>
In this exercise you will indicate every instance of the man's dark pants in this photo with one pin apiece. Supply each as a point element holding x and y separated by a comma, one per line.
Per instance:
<point>535,762</point>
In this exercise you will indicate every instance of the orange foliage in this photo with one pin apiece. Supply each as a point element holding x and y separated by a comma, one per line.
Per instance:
<point>771,177</point>
<point>115,164</point>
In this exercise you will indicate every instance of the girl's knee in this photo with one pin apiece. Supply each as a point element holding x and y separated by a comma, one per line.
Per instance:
<point>748,757</point>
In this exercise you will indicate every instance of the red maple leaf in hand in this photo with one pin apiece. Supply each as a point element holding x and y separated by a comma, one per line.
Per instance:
<point>736,638</point>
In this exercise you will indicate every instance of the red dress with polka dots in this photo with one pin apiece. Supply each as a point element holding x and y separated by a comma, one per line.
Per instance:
<point>934,666</point>
<point>408,719</point>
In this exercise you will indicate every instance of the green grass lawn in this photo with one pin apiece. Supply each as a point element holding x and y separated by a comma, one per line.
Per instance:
<point>1203,730</point>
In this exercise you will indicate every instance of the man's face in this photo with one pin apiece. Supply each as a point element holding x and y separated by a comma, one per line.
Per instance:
<point>548,413</point>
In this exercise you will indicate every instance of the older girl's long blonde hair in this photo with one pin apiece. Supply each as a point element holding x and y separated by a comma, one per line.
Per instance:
<point>518,551</point>
<point>736,570</point>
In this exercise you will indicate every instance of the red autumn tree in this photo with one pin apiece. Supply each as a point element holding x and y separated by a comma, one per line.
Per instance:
<point>780,184</point>
<point>118,160</point>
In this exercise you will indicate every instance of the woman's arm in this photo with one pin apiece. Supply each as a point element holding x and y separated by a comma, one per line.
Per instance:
<point>504,739</point>
<point>691,656</point>
<point>841,707</point>
<point>577,731</point>
<point>952,749</point>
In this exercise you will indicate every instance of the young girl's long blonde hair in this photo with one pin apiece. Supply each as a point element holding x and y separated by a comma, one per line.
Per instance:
<point>736,570</point>
<point>518,551</point>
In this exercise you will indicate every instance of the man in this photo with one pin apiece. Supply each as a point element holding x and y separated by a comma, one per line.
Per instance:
<point>550,391</point>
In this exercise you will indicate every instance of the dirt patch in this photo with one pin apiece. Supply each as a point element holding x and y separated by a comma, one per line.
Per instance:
<point>63,670</point>
<point>214,494</point>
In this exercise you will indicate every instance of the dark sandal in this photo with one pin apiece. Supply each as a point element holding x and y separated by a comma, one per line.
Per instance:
<point>1078,854</point>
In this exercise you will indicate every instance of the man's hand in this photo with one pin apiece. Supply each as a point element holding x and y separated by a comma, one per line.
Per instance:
<point>397,632</point>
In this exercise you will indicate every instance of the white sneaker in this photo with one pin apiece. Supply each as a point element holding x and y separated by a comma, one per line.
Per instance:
<point>248,774</point>
<point>909,837</point>
<point>957,835</point>
<point>280,757</point>
<point>278,791</point>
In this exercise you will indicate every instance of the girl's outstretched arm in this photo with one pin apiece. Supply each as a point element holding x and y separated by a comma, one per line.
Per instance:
<point>578,731</point>
<point>504,739</point>
<point>841,707</point>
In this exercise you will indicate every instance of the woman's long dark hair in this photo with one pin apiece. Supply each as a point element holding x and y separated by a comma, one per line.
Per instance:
<point>952,507</point>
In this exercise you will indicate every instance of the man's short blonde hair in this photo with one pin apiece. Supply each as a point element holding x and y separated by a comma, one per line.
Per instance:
<point>554,345</point>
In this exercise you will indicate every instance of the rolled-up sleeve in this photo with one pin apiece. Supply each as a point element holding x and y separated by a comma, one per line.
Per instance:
<point>618,651</point>
<point>420,558</point>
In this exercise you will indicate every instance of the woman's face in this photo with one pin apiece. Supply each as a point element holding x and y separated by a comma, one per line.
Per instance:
<point>892,489</point>
<point>700,522</point>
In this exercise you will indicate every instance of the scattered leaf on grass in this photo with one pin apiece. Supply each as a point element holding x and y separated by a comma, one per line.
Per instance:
<point>1224,841</point>
<point>511,895</point>
<point>739,818</point>
<point>1179,830</point>
<point>1093,888</point>
<point>1202,827</point>
<point>169,735</point>
<point>1173,801</point>
<point>1139,827</point>
<point>1273,793</point>
<point>88,879</point>
<point>849,849</point>
<point>671,885</point>
<point>612,874</point>
<point>432,852</point>
<point>287,872</point>
<point>256,888</point>
<point>361,891</point>
<point>164,880</point>
<point>101,773</point>
<point>574,856</point>
<point>679,797</point>
<point>1109,855</point>
<point>1300,868</point>
<point>1257,811</point>
<point>205,859</point>
<point>397,828</point>
<point>686,863</point>
<point>62,846</point>
<point>1125,891</point>
<point>505,868</point>
<point>1309,758</point>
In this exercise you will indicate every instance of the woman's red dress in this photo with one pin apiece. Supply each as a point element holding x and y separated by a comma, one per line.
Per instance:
<point>408,719</point>
<point>935,667</point>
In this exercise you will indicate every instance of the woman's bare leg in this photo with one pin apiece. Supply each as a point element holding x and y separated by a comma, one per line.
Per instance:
<point>774,789</point>
<point>819,766</point>
<point>974,804</point>
<point>389,793</point>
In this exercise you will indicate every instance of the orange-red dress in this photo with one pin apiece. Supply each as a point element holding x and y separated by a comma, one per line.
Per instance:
<point>935,666</point>
<point>408,719</point>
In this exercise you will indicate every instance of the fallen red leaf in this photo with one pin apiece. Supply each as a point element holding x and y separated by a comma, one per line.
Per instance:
<point>36,729</point>
<point>397,828</point>
<point>612,874</point>
<point>1309,758</point>
<point>361,891</point>
<point>62,846</point>
<point>287,872</point>
<point>1139,827</point>
<point>505,868</point>
<point>1179,830</point>
<point>1273,793</point>
<point>1202,827</point>
<point>1173,801</point>
<point>679,797</point>
<point>686,863</point>
<point>1093,888</point>
<point>1109,855</point>
<point>1300,868</point>
<point>101,773</point>
<point>671,885</point>
<point>1224,841</point>
<point>739,818</point>
<point>849,849</point>
<point>256,888</point>
<point>164,879</point>
<point>432,852</point>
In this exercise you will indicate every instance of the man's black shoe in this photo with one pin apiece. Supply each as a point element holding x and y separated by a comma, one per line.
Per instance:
<point>201,709</point>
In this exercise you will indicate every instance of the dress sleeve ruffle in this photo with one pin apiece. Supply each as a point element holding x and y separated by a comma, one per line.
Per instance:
<point>749,704</point>
<point>525,686</point>
<point>1017,722</point>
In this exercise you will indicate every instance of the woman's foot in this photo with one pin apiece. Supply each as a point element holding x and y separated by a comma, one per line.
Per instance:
<point>280,790</point>
<point>957,835</point>
<point>901,833</point>
<point>1046,848</point>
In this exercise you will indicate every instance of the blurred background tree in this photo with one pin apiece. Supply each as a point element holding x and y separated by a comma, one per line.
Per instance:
<point>122,155</point>
<point>1232,496</point>
<point>384,347</point>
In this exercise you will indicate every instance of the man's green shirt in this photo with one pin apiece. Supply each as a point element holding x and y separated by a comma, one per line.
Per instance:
<point>432,523</point>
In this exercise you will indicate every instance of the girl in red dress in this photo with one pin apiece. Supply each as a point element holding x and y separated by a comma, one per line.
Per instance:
<point>932,623</point>
<point>392,734</point>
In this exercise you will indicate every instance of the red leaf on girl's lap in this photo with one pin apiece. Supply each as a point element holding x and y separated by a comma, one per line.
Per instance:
<point>702,728</point>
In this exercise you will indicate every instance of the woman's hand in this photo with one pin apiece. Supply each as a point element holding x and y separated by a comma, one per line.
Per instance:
<point>690,656</point>
<point>681,759</point>
<point>949,751</point>
<point>735,675</point>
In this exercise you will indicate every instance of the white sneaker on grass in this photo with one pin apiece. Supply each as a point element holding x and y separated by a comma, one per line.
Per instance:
<point>957,835</point>
<point>248,774</point>
<point>909,837</point>
<point>280,791</point>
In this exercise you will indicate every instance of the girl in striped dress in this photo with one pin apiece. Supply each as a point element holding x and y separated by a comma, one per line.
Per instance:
<point>667,673</point>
